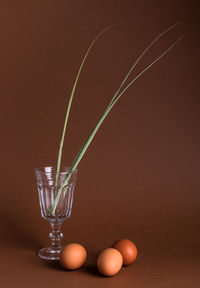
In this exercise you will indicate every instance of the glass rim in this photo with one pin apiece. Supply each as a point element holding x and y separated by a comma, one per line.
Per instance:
<point>41,170</point>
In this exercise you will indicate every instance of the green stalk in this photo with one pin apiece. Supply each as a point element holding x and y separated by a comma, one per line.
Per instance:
<point>92,134</point>
<point>124,80</point>
<point>72,95</point>
<point>94,131</point>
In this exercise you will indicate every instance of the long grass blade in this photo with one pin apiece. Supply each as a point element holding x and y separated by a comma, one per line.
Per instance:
<point>73,91</point>
<point>92,134</point>
<point>94,131</point>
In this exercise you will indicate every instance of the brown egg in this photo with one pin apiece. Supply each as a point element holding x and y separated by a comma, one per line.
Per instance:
<point>127,249</point>
<point>109,262</point>
<point>73,256</point>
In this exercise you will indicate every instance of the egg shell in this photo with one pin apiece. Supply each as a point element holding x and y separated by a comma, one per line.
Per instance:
<point>127,249</point>
<point>109,262</point>
<point>73,256</point>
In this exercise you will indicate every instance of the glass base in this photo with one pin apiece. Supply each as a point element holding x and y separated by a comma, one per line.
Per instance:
<point>49,254</point>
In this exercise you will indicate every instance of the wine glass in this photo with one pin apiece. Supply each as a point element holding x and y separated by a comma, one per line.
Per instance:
<point>50,183</point>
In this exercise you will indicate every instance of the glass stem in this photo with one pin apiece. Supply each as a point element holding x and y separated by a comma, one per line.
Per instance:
<point>56,236</point>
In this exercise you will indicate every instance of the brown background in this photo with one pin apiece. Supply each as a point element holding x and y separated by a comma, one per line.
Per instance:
<point>140,177</point>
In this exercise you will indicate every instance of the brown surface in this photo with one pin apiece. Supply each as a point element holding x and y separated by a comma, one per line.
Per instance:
<point>140,177</point>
